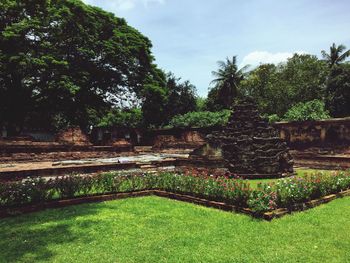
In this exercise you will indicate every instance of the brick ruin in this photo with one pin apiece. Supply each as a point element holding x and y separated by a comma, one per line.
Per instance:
<point>249,146</point>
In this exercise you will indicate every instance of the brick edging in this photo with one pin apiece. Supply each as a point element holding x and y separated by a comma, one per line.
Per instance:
<point>7,212</point>
<point>277,213</point>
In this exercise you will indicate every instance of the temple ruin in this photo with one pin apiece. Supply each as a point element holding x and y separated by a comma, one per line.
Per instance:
<point>249,145</point>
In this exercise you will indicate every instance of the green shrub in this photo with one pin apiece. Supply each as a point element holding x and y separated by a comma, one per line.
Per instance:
<point>201,119</point>
<point>311,110</point>
<point>293,190</point>
<point>273,118</point>
<point>130,118</point>
<point>30,190</point>
<point>262,199</point>
<point>68,186</point>
<point>287,192</point>
<point>296,190</point>
<point>108,183</point>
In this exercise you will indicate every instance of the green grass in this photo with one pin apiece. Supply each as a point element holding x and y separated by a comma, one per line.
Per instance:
<point>299,172</point>
<point>153,229</point>
<point>254,182</point>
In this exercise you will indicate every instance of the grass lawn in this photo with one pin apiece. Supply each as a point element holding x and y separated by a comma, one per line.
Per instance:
<point>300,172</point>
<point>153,229</point>
<point>254,182</point>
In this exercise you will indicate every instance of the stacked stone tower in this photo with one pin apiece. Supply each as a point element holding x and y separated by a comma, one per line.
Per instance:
<point>250,146</point>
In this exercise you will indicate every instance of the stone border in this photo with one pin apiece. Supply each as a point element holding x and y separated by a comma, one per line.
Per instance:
<point>15,175</point>
<point>277,213</point>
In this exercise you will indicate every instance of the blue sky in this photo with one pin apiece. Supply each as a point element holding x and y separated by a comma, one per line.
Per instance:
<point>190,36</point>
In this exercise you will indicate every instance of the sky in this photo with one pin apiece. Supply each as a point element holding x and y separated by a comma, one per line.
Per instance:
<point>190,36</point>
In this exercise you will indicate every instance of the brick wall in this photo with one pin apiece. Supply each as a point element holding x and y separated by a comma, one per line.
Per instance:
<point>315,133</point>
<point>73,135</point>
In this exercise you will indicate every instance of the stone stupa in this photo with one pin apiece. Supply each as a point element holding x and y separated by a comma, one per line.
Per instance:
<point>249,146</point>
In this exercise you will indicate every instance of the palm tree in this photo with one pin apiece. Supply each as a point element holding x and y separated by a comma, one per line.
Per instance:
<point>336,54</point>
<point>227,79</point>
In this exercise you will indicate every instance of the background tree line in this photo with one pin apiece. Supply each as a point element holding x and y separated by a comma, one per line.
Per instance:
<point>302,88</point>
<point>66,63</point>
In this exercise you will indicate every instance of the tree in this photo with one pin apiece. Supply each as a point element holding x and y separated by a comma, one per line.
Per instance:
<point>200,103</point>
<point>259,85</point>
<point>337,54</point>
<point>278,88</point>
<point>127,118</point>
<point>302,78</point>
<point>65,58</point>
<point>201,119</point>
<point>338,91</point>
<point>182,96</point>
<point>165,97</point>
<point>154,105</point>
<point>226,82</point>
<point>212,103</point>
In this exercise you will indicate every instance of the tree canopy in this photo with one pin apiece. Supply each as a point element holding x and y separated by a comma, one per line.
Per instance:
<point>303,87</point>
<point>278,88</point>
<point>63,62</point>
<point>62,57</point>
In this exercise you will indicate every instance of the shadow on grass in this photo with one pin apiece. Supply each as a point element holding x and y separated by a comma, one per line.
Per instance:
<point>32,243</point>
<point>29,237</point>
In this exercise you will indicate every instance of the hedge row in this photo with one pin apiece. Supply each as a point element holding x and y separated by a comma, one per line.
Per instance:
<point>266,197</point>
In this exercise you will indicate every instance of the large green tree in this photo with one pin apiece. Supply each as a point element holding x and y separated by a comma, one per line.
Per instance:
<point>278,88</point>
<point>259,85</point>
<point>165,98</point>
<point>62,57</point>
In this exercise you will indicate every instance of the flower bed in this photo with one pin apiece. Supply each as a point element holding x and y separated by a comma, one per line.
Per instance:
<point>287,193</point>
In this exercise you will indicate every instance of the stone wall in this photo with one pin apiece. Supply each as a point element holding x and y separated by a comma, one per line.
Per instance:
<point>298,134</point>
<point>304,134</point>
<point>315,133</point>
<point>178,138</point>
<point>185,138</point>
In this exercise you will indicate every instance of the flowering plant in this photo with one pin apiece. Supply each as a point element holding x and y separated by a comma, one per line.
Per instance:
<point>263,199</point>
<point>216,186</point>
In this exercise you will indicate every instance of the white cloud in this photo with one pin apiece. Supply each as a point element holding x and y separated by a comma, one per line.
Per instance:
<point>257,57</point>
<point>123,5</point>
<point>146,2</point>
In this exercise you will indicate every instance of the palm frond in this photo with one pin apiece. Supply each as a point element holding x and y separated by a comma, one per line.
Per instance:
<point>233,61</point>
<point>344,56</point>
<point>221,64</point>
<point>341,48</point>
<point>325,55</point>
<point>244,69</point>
